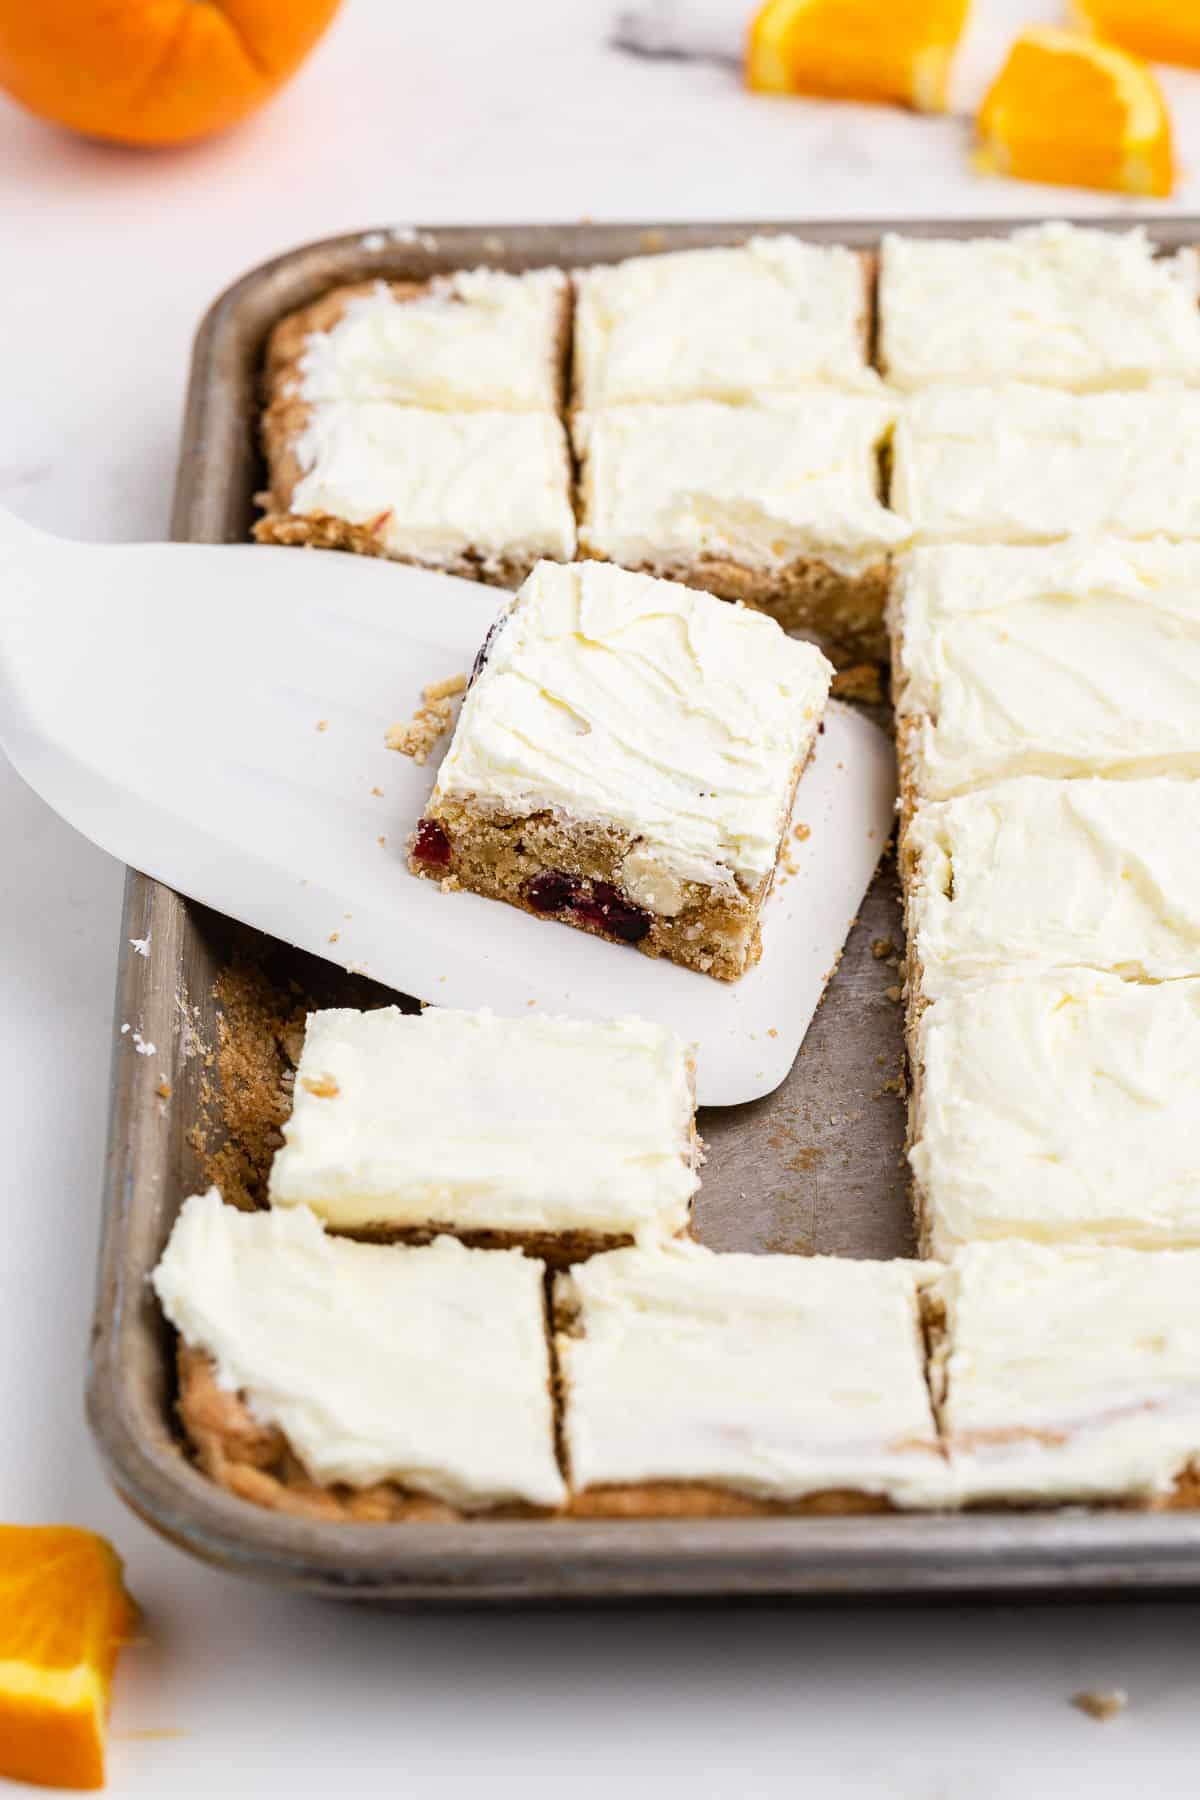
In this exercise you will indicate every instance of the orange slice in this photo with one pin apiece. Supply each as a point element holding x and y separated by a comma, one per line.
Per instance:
<point>64,1614</point>
<point>1163,30</point>
<point>847,49</point>
<point>1065,108</point>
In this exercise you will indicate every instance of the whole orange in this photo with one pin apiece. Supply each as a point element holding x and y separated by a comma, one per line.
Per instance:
<point>153,71</point>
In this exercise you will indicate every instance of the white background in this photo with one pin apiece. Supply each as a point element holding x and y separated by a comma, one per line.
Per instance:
<point>452,113</point>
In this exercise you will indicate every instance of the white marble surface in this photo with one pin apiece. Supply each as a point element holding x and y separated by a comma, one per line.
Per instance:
<point>477,112</point>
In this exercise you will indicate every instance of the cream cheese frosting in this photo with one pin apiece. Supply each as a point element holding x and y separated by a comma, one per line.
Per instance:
<point>473,1122</point>
<point>1059,1106</point>
<point>438,486</point>
<point>1080,658</point>
<point>428,1367</point>
<point>762,485</point>
<point>476,340</point>
<point>620,699</point>
<point>1069,1374</point>
<point>777,1376</point>
<point>719,324</point>
<point>1094,873</point>
<point>1027,465</point>
<point>1061,305</point>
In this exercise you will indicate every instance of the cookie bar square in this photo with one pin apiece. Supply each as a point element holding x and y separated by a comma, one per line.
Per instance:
<point>1072,659</point>
<point>479,494</point>
<point>478,340</point>
<point>1070,1374</point>
<point>774,314</point>
<point>344,1380</point>
<point>1060,1107</point>
<point>776,504</point>
<point>698,1382</point>
<point>625,761</point>
<point>1064,306</point>
<point>1031,872</point>
<point>1029,465</point>
<point>560,1136</point>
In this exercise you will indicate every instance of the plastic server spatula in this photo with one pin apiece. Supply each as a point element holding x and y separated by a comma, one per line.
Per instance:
<point>215,716</point>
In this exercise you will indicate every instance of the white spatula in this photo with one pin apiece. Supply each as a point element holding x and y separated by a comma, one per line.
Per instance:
<point>215,717</point>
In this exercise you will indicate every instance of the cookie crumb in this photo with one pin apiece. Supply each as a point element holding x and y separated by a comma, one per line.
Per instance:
<point>333,937</point>
<point>449,689</point>
<point>771,1031</point>
<point>417,736</point>
<point>322,724</point>
<point>381,841</point>
<point>860,682</point>
<point>895,995</point>
<point>801,832</point>
<point>163,1090</point>
<point>1100,1703</point>
<point>378,793</point>
<point>882,947</point>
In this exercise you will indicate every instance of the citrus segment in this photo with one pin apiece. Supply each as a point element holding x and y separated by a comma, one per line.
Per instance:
<point>64,1614</point>
<point>1160,30</point>
<point>1067,109</point>
<point>839,49</point>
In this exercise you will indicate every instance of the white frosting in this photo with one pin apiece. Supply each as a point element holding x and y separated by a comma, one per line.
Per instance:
<point>1026,464</point>
<point>1059,1106</point>
<point>1096,873</point>
<point>1081,658</point>
<point>779,1376</point>
<point>476,340</point>
<point>426,1367</point>
<point>1061,305</point>
<point>791,476</point>
<point>617,698</point>
<point>474,1122</point>
<point>1070,1374</point>
<point>720,324</point>
<point>437,485</point>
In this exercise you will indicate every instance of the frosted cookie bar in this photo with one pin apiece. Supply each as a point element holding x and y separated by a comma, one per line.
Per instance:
<point>559,1135</point>
<point>699,1383</point>
<point>475,341</point>
<point>625,761</point>
<point>1060,305</point>
<point>1027,465</point>
<point>1070,1375</point>
<point>776,504</point>
<point>478,494</point>
<point>341,1380</point>
<point>1094,873</point>
<point>774,314</point>
<point>1080,658</point>
<point>1060,1107</point>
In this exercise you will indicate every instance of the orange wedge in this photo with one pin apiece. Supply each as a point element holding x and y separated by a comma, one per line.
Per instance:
<point>1065,108</point>
<point>1163,30</point>
<point>849,49</point>
<point>64,1614</point>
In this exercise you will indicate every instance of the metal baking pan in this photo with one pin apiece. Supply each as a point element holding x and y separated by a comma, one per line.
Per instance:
<point>814,1167</point>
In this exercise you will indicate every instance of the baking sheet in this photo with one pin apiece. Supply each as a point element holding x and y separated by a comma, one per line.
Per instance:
<point>814,1167</point>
